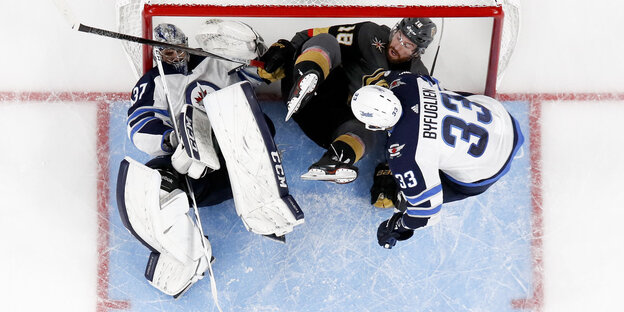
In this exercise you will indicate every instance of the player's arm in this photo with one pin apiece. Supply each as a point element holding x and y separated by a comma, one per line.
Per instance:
<point>419,203</point>
<point>148,124</point>
<point>343,33</point>
<point>284,51</point>
<point>410,217</point>
<point>420,198</point>
<point>354,41</point>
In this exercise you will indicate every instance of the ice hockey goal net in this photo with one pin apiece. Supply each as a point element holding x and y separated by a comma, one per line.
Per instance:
<point>475,41</point>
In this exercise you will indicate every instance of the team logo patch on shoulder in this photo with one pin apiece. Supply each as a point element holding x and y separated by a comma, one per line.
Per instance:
<point>395,150</point>
<point>378,45</point>
<point>197,90</point>
<point>396,83</point>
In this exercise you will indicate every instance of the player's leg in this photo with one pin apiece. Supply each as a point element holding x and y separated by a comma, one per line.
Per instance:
<point>319,56</point>
<point>327,110</point>
<point>349,145</point>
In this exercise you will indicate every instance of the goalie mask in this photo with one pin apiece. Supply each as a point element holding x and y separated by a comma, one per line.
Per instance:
<point>170,33</point>
<point>230,39</point>
<point>418,30</point>
<point>377,107</point>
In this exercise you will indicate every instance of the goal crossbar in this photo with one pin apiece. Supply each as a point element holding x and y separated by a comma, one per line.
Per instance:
<point>301,11</point>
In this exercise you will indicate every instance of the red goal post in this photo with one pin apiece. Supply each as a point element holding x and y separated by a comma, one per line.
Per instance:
<point>139,19</point>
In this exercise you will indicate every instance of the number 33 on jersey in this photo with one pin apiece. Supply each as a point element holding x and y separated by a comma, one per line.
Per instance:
<point>466,141</point>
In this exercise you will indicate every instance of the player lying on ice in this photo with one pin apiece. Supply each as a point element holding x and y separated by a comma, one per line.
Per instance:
<point>442,146</point>
<point>320,68</point>
<point>223,147</point>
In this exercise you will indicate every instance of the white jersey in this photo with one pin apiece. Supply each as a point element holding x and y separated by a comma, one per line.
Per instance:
<point>148,117</point>
<point>443,137</point>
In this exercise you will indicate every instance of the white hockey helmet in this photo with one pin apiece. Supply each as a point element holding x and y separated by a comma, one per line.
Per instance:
<point>377,107</point>
<point>231,39</point>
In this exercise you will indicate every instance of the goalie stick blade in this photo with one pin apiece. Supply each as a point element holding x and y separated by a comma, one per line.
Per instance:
<point>280,239</point>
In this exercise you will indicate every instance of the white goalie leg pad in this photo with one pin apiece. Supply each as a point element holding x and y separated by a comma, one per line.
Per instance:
<point>195,154</point>
<point>158,219</point>
<point>173,277</point>
<point>253,162</point>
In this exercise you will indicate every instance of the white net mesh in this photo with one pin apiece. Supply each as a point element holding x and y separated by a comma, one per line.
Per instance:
<point>511,28</point>
<point>130,18</point>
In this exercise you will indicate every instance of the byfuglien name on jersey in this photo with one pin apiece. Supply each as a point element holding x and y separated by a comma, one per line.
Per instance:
<point>429,104</point>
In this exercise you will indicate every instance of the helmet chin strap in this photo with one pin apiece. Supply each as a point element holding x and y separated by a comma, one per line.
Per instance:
<point>375,128</point>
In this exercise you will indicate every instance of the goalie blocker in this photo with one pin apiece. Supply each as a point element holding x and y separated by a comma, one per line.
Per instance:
<point>195,155</point>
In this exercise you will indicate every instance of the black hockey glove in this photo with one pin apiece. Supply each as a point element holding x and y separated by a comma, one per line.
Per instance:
<point>384,189</point>
<point>274,59</point>
<point>170,141</point>
<point>392,230</point>
<point>277,55</point>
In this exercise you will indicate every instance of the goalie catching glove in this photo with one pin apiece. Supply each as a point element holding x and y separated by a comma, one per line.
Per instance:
<point>195,154</point>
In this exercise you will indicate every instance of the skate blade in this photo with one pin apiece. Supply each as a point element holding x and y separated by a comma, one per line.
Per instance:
<point>341,176</point>
<point>295,103</point>
<point>293,106</point>
<point>280,239</point>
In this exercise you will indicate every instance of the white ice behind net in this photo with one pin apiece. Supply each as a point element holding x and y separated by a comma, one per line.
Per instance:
<point>129,19</point>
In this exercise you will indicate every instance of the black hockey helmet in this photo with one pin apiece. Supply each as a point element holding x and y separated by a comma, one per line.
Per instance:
<point>420,30</point>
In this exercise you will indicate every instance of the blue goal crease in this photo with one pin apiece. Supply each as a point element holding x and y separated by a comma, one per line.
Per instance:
<point>477,258</point>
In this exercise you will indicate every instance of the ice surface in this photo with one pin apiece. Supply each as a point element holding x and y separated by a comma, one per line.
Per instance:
<point>477,259</point>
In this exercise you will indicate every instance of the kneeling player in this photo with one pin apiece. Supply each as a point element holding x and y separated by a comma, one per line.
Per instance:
<point>154,199</point>
<point>442,146</point>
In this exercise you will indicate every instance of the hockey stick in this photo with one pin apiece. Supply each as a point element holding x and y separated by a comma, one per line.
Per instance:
<point>174,123</point>
<point>73,22</point>
<point>435,58</point>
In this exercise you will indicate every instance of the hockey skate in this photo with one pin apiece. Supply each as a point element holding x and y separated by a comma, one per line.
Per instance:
<point>331,168</point>
<point>302,91</point>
